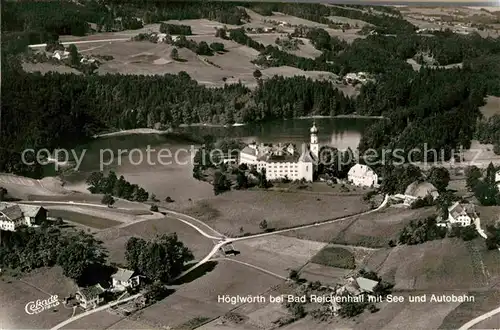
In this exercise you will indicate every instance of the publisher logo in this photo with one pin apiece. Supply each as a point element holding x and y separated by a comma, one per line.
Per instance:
<point>38,306</point>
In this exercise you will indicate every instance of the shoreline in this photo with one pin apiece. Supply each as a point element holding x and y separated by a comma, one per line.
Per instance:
<point>342,116</point>
<point>133,131</point>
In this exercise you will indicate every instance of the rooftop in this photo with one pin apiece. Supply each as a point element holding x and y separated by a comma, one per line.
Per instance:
<point>421,189</point>
<point>91,292</point>
<point>366,284</point>
<point>122,275</point>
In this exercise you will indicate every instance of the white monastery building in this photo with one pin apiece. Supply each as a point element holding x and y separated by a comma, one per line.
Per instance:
<point>362,175</point>
<point>283,160</point>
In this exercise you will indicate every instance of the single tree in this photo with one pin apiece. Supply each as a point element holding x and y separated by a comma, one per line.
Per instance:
<point>174,54</point>
<point>473,174</point>
<point>257,74</point>
<point>154,208</point>
<point>439,177</point>
<point>73,54</point>
<point>108,200</point>
<point>263,224</point>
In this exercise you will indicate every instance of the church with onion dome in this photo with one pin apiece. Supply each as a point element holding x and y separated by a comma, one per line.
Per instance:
<point>284,160</point>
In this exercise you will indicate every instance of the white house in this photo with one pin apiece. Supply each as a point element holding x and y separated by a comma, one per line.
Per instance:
<point>90,297</point>
<point>61,54</point>
<point>123,279</point>
<point>283,160</point>
<point>13,215</point>
<point>462,214</point>
<point>362,175</point>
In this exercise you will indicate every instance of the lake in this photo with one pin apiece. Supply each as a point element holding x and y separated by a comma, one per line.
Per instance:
<point>176,179</point>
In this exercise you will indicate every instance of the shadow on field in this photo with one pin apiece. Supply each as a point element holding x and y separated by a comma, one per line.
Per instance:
<point>197,273</point>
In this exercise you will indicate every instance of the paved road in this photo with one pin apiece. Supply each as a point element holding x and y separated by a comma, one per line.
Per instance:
<point>478,319</point>
<point>81,42</point>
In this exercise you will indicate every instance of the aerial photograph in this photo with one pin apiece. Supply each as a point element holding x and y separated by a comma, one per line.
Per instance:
<point>249,165</point>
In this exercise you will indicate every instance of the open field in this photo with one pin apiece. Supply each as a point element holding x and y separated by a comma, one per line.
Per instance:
<point>94,213</point>
<point>99,320</point>
<point>372,230</point>
<point>441,17</point>
<point>391,316</point>
<point>350,21</point>
<point>115,239</point>
<point>306,50</point>
<point>253,316</point>
<point>48,67</point>
<point>492,106</point>
<point>276,253</point>
<point>21,187</point>
<point>325,274</point>
<point>40,284</point>
<point>448,264</point>
<point>490,215</point>
<point>199,297</point>
<point>235,210</point>
<point>417,66</point>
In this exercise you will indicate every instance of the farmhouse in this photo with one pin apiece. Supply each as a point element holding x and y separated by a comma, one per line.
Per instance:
<point>14,215</point>
<point>61,54</point>
<point>91,296</point>
<point>418,190</point>
<point>366,285</point>
<point>461,214</point>
<point>283,160</point>
<point>362,175</point>
<point>124,279</point>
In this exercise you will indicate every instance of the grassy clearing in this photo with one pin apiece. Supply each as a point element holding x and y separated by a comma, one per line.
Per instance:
<point>239,212</point>
<point>193,323</point>
<point>448,264</point>
<point>335,257</point>
<point>492,106</point>
<point>84,219</point>
<point>489,215</point>
<point>325,274</point>
<point>277,253</point>
<point>374,230</point>
<point>116,239</point>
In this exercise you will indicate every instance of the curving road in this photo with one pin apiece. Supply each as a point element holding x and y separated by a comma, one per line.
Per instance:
<point>95,310</point>
<point>478,319</point>
<point>225,241</point>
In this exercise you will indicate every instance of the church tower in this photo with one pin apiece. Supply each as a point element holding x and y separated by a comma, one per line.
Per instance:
<point>314,147</point>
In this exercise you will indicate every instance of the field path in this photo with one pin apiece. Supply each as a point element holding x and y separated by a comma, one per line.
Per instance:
<point>478,319</point>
